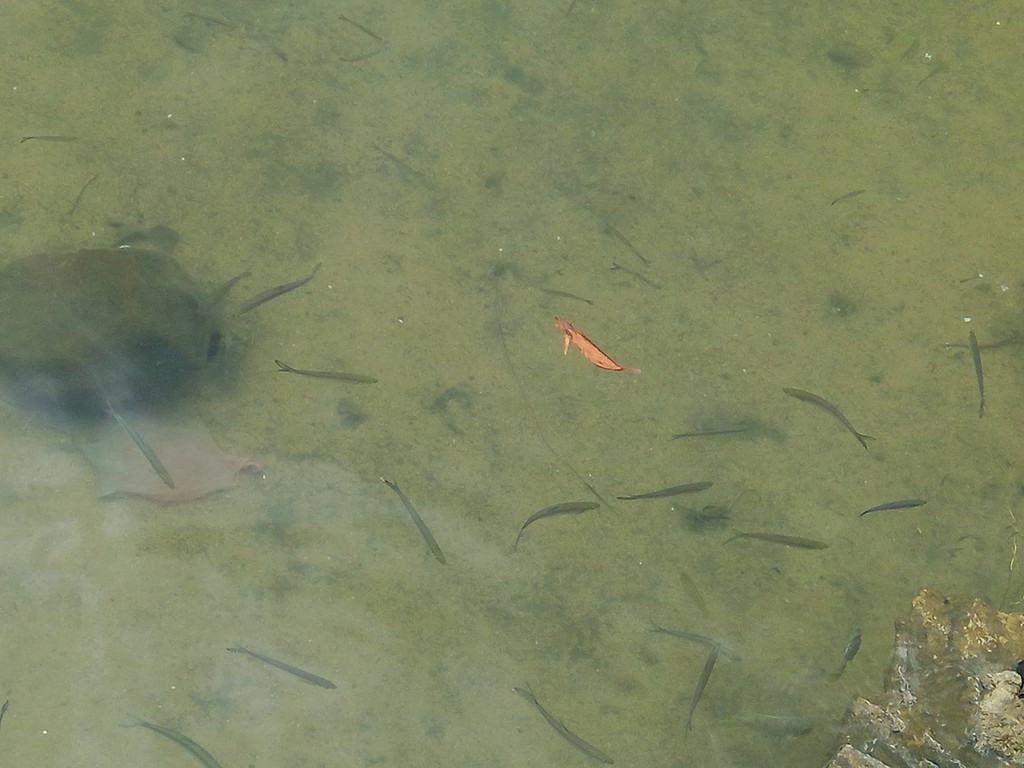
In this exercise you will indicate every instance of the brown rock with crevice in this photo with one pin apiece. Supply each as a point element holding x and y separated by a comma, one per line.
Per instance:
<point>952,693</point>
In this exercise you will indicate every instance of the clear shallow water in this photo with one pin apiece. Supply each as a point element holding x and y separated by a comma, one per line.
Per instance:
<point>713,141</point>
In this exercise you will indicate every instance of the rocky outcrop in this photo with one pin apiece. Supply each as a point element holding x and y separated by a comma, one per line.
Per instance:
<point>952,692</point>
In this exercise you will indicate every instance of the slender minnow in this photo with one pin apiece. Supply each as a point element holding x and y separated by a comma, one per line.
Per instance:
<point>143,446</point>
<point>707,642</point>
<point>972,342</point>
<point>565,508</point>
<point>565,295</point>
<point>273,293</point>
<point>637,275</point>
<point>776,538</point>
<point>991,345</point>
<point>3,709</point>
<point>610,230</point>
<point>218,295</point>
<point>675,490</point>
<point>810,397</point>
<point>361,28</point>
<point>694,594</point>
<point>47,138</point>
<point>211,20</point>
<point>424,531</point>
<point>302,674</point>
<point>197,751</point>
<point>81,194</point>
<point>709,432</point>
<point>355,378</point>
<point>705,675</point>
<point>852,646</point>
<point>848,195</point>
<point>397,160</point>
<point>778,725</point>
<point>593,490</point>
<point>902,504</point>
<point>583,746</point>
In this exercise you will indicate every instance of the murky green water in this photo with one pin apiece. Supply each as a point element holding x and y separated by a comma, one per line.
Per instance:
<point>459,168</point>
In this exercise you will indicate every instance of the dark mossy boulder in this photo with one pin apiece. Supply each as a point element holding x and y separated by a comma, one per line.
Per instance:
<point>80,331</point>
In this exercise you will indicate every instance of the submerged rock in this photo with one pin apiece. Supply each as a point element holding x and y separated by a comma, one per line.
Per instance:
<point>124,326</point>
<point>104,344</point>
<point>952,692</point>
